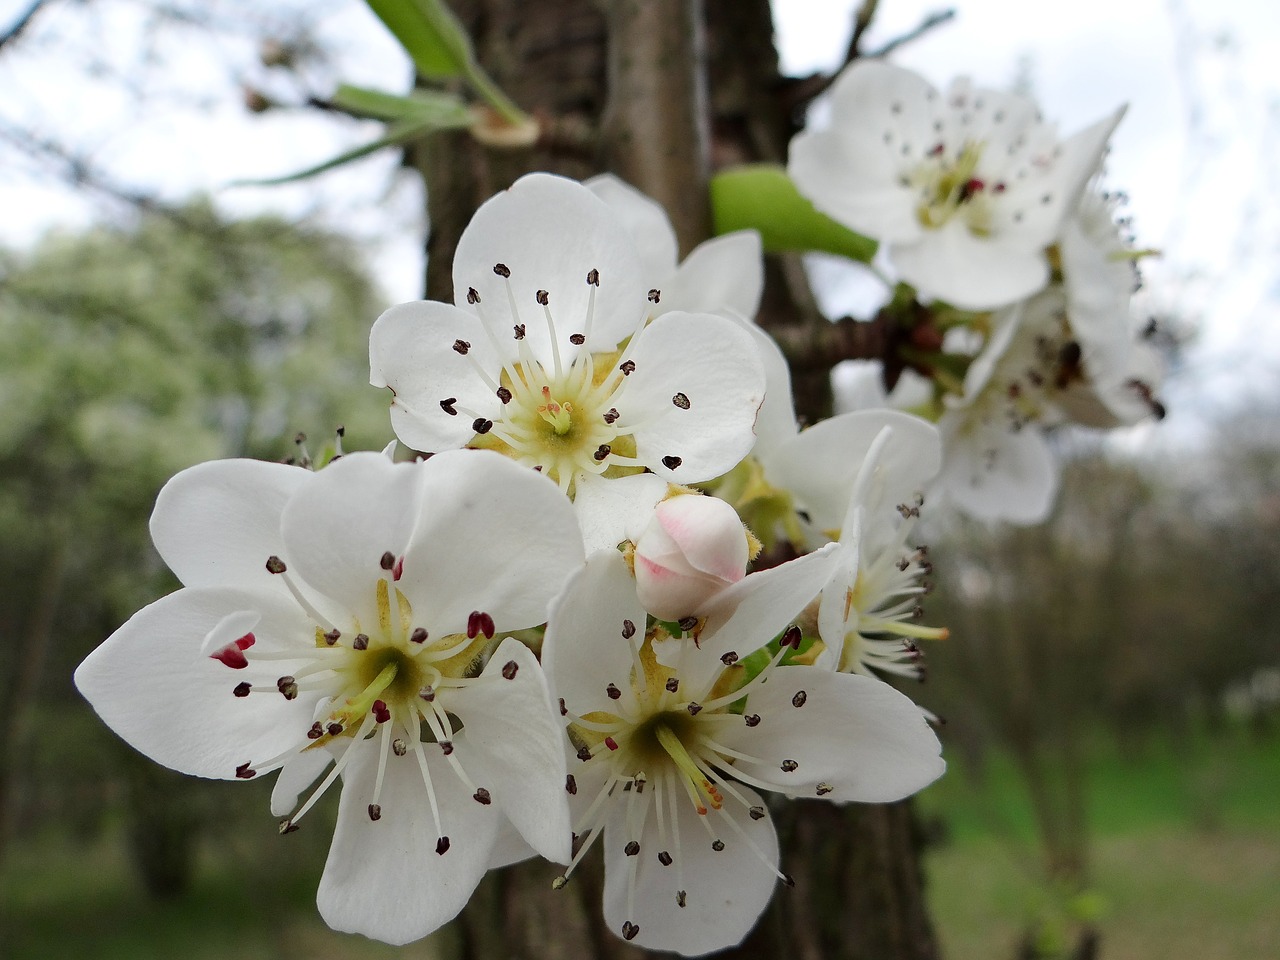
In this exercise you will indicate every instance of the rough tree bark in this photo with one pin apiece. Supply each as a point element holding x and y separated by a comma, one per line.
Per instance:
<point>661,92</point>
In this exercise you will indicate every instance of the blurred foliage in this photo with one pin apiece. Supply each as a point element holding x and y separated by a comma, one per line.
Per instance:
<point>127,354</point>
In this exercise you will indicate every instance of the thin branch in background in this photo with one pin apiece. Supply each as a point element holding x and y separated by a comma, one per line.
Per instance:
<point>21,24</point>
<point>935,19</point>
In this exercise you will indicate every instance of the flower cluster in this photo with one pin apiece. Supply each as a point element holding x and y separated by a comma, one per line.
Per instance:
<point>982,209</point>
<point>616,598</point>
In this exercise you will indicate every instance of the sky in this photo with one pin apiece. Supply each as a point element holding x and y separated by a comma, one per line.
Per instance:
<point>1195,153</point>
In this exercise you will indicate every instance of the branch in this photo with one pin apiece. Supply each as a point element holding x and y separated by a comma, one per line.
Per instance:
<point>21,23</point>
<point>935,19</point>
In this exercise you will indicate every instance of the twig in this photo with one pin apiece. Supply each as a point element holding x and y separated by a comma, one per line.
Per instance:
<point>21,23</point>
<point>935,19</point>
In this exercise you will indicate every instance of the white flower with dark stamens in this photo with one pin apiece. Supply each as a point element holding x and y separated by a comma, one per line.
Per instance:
<point>722,275</point>
<point>341,620</point>
<point>868,617</point>
<point>674,741</point>
<point>549,357</point>
<point>966,188</point>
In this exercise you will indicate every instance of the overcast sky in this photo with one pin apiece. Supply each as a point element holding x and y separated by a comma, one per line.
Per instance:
<point>1195,151</point>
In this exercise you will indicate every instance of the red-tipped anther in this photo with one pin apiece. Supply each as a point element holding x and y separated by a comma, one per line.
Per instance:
<point>380,711</point>
<point>397,571</point>
<point>611,743</point>
<point>231,654</point>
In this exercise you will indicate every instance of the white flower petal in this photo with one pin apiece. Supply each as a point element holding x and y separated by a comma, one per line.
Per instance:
<point>857,736</point>
<point>725,891</point>
<point>584,650</point>
<point>216,523</point>
<point>152,684</point>
<point>776,421</point>
<point>514,744</point>
<point>610,511</point>
<point>339,527</point>
<point>298,773</point>
<point>384,878</point>
<point>993,473</point>
<point>715,365</point>
<point>971,272</point>
<point>645,221</point>
<point>500,539</point>
<point>550,232</point>
<point>412,350</point>
<point>721,275</point>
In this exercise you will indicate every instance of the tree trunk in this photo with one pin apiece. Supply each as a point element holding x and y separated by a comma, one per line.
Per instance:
<point>637,87</point>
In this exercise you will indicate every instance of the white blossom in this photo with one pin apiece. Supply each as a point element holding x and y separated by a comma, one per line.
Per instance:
<point>674,737</point>
<point>967,188</point>
<point>340,620</point>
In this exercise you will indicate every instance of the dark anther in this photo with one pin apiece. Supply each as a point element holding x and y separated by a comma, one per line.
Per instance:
<point>502,270</point>
<point>611,415</point>
<point>334,635</point>
<point>680,898</point>
<point>461,347</point>
<point>519,331</point>
<point>584,753</point>
<point>577,339</point>
<point>333,729</point>
<point>629,930</point>
<point>479,622</point>
<point>472,295</point>
<point>288,688</point>
<point>789,766</point>
<point>504,394</point>
<point>671,462</point>
<point>446,747</point>
<point>593,277</point>
<point>442,846</point>
<point>792,637</point>
<point>681,401</point>
<point>387,560</point>
<point>509,670</point>
<point>612,691</point>
<point>628,367</point>
<point>824,788</point>
<point>632,848</point>
<point>243,772</point>
<point>381,713</point>
<point>447,406</point>
<point>729,659</point>
<point>299,438</point>
<point>694,709</point>
<point>287,826</point>
<point>542,297</point>
<point>673,684</point>
<point>361,642</point>
<point>571,785</point>
<point>275,565</point>
<point>419,635</point>
<point>563,709</point>
<point>789,880</point>
<point>717,845</point>
<point>242,689</point>
<point>602,452</point>
<point>628,629</point>
<point>428,694</point>
<point>664,858</point>
<point>399,747</point>
<point>757,813</point>
<point>655,296</point>
<point>752,719</point>
<point>687,623</point>
<point>799,699</point>
<point>375,811</point>
<point>481,425</point>
<point>481,796</point>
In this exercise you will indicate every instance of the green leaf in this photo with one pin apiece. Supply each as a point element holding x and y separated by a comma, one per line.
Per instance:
<point>762,197</point>
<point>429,33</point>
<point>396,134</point>
<point>421,105</point>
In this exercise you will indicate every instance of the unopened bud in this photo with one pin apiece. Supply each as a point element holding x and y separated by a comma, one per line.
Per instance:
<point>693,547</point>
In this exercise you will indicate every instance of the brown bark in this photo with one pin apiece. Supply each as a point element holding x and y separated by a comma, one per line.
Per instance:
<point>859,888</point>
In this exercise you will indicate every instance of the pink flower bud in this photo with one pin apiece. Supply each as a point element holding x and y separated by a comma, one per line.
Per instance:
<point>693,547</point>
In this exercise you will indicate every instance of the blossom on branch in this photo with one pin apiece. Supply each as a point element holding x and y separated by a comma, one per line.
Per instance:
<point>350,620</point>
